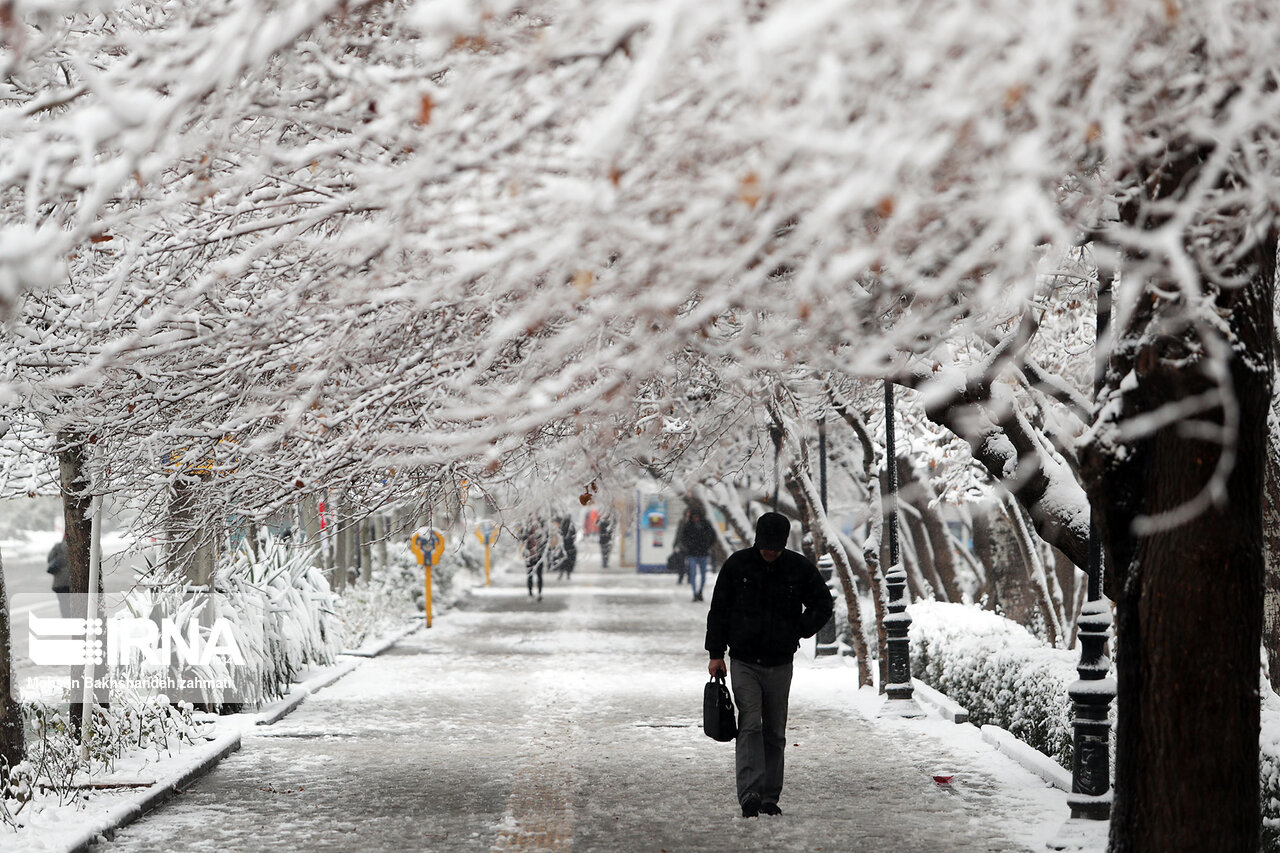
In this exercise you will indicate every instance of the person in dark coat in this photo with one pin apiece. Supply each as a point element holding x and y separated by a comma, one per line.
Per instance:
<point>535,541</point>
<point>766,600</point>
<point>605,534</point>
<point>678,559</point>
<point>697,539</point>
<point>60,568</point>
<point>568,547</point>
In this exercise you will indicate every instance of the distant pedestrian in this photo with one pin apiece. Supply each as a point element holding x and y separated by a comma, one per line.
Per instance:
<point>60,568</point>
<point>568,547</point>
<point>535,541</point>
<point>697,539</point>
<point>677,560</point>
<point>766,599</point>
<point>605,535</point>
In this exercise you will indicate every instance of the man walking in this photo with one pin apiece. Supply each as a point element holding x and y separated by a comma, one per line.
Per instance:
<point>697,538</point>
<point>766,599</point>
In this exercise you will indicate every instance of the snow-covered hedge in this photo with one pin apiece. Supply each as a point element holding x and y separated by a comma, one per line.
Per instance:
<point>998,670</point>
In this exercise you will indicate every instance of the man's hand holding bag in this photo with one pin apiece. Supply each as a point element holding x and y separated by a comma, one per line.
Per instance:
<point>717,711</point>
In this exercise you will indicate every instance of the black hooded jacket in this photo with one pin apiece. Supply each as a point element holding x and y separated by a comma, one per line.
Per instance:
<point>760,611</point>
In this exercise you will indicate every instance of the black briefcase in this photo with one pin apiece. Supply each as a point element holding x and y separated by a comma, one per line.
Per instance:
<point>717,711</point>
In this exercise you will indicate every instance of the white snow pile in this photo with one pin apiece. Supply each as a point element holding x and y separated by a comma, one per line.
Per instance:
<point>997,669</point>
<point>1269,767</point>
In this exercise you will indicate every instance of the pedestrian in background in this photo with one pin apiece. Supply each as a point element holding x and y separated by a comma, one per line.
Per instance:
<point>568,547</point>
<point>60,568</point>
<point>697,538</point>
<point>535,541</point>
<point>765,600</point>
<point>605,536</point>
<point>678,559</point>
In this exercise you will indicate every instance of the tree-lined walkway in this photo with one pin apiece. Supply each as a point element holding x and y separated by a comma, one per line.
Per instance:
<point>573,724</point>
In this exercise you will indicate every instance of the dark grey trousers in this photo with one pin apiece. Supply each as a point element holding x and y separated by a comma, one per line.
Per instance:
<point>761,694</point>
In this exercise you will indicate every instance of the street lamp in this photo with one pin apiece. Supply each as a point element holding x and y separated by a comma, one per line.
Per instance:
<point>1091,695</point>
<point>901,701</point>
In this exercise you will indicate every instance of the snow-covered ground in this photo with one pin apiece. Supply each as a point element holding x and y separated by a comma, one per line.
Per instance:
<point>573,723</point>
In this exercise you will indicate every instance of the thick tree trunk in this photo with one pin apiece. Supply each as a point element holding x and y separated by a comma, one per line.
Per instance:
<point>338,516</point>
<point>190,550</point>
<point>1180,508</point>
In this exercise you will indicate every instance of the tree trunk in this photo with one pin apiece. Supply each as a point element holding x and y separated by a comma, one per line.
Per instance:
<point>341,526</point>
<point>1184,537</point>
<point>922,497</point>
<point>382,531</point>
<point>74,485</point>
<point>367,531</point>
<point>1037,576</point>
<point>1271,543</point>
<point>996,543</point>
<point>190,548</point>
<point>12,745</point>
<point>923,549</point>
<point>310,513</point>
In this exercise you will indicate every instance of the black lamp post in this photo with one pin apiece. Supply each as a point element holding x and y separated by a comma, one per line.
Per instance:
<point>1091,695</point>
<point>901,701</point>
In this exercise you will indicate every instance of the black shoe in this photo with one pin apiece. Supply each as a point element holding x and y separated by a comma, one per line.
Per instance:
<point>751,806</point>
<point>770,808</point>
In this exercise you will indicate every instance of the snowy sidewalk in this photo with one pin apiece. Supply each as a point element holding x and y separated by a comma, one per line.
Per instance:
<point>574,724</point>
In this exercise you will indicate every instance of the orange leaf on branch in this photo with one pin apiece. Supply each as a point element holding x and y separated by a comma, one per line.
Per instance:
<point>425,106</point>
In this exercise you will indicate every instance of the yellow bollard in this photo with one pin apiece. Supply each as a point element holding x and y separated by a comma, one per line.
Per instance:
<point>427,604</point>
<point>427,545</point>
<point>487,532</point>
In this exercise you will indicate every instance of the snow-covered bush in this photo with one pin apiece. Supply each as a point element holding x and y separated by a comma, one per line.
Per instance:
<point>282,614</point>
<point>130,724</point>
<point>285,617</point>
<point>391,599</point>
<point>998,670</point>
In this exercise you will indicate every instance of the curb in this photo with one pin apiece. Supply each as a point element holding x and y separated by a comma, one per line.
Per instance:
<point>1029,757</point>
<point>165,789</point>
<point>302,690</point>
<point>373,651</point>
<point>1002,740</point>
<point>941,702</point>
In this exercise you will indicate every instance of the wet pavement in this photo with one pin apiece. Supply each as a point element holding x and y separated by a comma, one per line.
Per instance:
<point>574,724</point>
